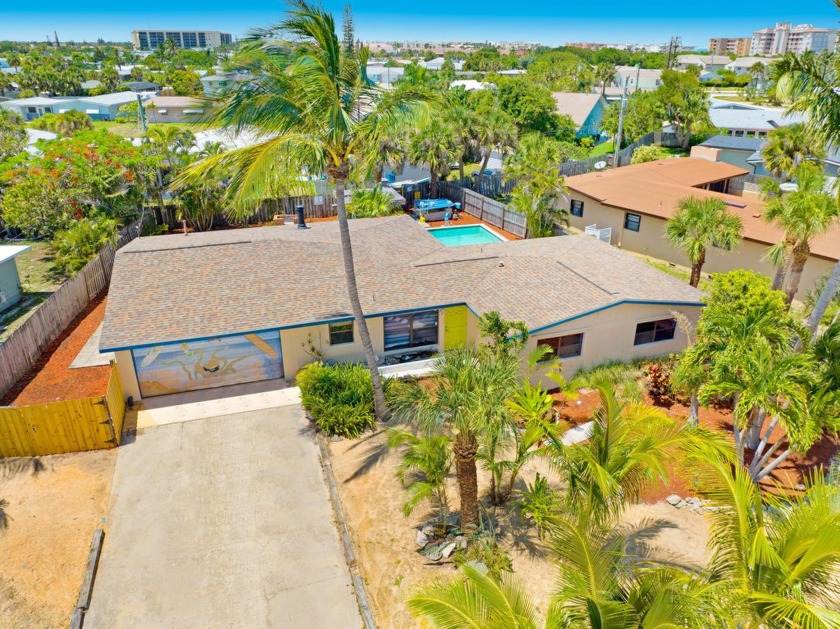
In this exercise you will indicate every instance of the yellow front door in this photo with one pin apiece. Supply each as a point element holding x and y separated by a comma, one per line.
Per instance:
<point>455,327</point>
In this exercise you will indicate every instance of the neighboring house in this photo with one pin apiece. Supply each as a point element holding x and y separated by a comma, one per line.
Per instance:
<point>735,150</point>
<point>91,84</point>
<point>585,110</point>
<point>637,78</point>
<point>103,107</point>
<point>745,120</point>
<point>211,309</point>
<point>32,108</point>
<point>217,84</point>
<point>707,63</point>
<point>142,87</point>
<point>742,65</point>
<point>10,291</point>
<point>831,163</point>
<point>634,202</point>
<point>383,75</point>
<point>174,109</point>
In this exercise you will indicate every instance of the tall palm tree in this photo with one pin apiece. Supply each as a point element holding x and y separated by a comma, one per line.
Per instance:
<point>433,146</point>
<point>803,215</point>
<point>469,389</point>
<point>320,113</point>
<point>788,147</point>
<point>463,122</point>
<point>698,224</point>
<point>496,131</point>
<point>604,75</point>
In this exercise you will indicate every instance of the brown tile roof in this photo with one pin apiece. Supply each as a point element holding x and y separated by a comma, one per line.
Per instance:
<point>655,188</point>
<point>172,288</point>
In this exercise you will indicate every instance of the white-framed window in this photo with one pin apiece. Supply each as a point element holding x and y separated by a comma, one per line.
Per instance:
<point>341,333</point>
<point>566,346</point>
<point>655,331</point>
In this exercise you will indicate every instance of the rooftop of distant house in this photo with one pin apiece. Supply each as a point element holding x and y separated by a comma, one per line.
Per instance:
<point>656,188</point>
<point>576,105</point>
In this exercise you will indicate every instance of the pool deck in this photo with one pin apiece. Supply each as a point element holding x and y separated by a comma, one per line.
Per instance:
<point>468,219</point>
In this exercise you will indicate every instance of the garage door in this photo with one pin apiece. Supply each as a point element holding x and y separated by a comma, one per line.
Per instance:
<point>215,362</point>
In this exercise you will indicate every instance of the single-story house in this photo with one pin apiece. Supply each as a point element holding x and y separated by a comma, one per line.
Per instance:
<point>831,162</point>
<point>34,107</point>
<point>471,85</point>
<point>227,307</point>
<point>629,207</point>
<point>742,65</point>
<point>735,150</point>
<point>745,120</point>
<point>648,79</point>
<point>585,110</point>
<point>91,84</point>
<point>706,63</point>
<point>216,84</point>
<point>142,87</point>
<point>174,109</point>
<point>10,291</point>
<point>105,106</point>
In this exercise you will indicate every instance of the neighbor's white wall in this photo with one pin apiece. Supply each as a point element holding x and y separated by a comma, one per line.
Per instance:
<point>128,377</point>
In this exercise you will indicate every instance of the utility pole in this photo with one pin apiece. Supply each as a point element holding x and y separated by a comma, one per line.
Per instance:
<point>617,147</point>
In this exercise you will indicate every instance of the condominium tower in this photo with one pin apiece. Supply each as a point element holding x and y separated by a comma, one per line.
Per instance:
<point>784,38</point>
<point>149,40</point>
<point>738,46</point>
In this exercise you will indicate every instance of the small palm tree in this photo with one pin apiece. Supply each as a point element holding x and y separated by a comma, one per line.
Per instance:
<point>604,75</point>
<point>316,112</point>
<point>433,146</point>
<point>427,461</point>
<point>495,131</point>
<point>698,224</point>
<point>371,203</point>
<point>804,214</point>
<point>788,147</point>
<point>468,393</point>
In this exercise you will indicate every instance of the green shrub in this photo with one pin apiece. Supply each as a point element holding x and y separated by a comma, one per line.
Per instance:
<point>650,153</point>
<point>339,398</point>
<point>540,504</point>
<point>76,246</point>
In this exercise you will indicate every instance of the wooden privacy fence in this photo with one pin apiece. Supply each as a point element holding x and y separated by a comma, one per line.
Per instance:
<point>21,350</point>
<point>70,426</point>
<point>495,213</point>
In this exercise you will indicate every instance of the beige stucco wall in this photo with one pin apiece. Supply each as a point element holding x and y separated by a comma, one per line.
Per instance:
<point>608,335</point>
<point>650,240</point>
<point>128,377</point>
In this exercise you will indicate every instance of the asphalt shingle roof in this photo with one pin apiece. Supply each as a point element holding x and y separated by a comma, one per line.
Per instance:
<point>734,143</point>
<point>173,288</point>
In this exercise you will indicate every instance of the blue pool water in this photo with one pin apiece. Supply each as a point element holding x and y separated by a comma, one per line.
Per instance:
<point>466,235</point>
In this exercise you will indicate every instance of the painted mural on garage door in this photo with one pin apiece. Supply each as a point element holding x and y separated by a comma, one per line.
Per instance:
<point>215,362</point>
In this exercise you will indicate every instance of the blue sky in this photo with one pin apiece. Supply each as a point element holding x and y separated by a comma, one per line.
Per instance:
<point>552,22</point>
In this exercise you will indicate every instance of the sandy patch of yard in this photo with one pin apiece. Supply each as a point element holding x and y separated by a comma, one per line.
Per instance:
<point>385,539</point>
<point>51,516</point>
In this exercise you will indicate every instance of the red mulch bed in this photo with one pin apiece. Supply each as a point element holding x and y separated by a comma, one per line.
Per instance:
<point>51,379</point>
<point>787,476</point>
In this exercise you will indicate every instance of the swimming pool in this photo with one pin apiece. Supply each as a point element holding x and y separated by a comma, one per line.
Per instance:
<point>465,235</point>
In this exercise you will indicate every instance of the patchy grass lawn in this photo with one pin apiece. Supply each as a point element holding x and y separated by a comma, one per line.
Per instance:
<point>132,130</point>
<point>603,148</point>
<point>38,280</point>
<point>679,272</point>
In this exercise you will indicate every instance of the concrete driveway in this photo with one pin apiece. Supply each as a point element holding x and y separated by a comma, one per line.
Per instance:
<point>223,522</point>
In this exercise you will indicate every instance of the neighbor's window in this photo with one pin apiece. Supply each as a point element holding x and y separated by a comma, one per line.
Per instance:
<point>576,208</point>
<point>632,222</point>
<point>653,331</point>
<point>341,333</point>
<point>415,329</point>
<point>568,346</point>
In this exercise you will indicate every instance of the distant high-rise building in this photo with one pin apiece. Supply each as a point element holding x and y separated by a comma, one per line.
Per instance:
<point>738,46</point>
<point>784,38</point>
<point>149,40</point>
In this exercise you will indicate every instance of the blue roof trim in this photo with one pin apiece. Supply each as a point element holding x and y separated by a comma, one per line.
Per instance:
<point>308,324</point>
<point>697,304</point>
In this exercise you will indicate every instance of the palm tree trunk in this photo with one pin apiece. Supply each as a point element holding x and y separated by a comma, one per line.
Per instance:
<point>828,293</point>
<point>800,256</point>
<point>696,267</point>
<point>380,169</point>
<point>465,449</point>
<point>776,462</point>
<point>461,166</point>
<point>754,430</point>
<point>433,184</point>
<point>380,406</point>
<point>779,277</point>
<point>480,176</point>
<point>694,410</point>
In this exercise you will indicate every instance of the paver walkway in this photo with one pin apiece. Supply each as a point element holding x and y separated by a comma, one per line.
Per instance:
<point>223,522</point>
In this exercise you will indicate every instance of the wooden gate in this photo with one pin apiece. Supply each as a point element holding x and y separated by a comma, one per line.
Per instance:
<point>69,426</point>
